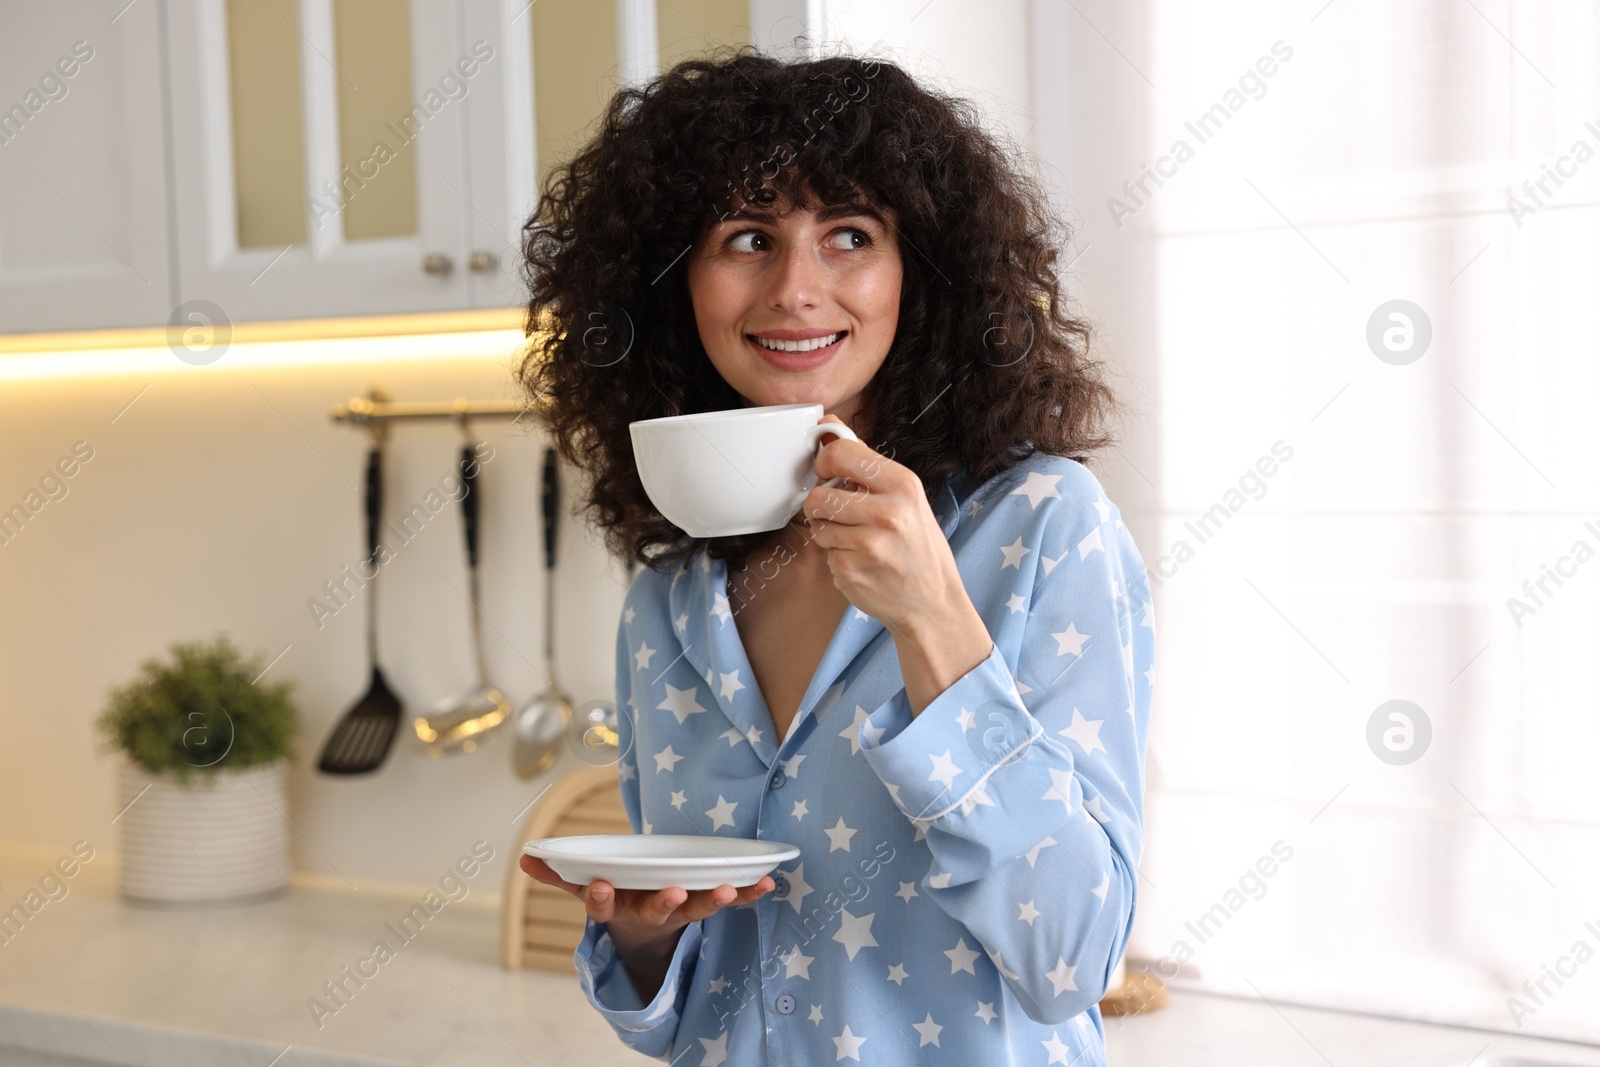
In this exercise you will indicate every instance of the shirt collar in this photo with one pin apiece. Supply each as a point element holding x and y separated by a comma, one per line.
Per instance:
<point>702,620</point>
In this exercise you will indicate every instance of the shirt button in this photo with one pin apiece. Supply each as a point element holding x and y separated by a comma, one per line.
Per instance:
<point>780,887</point>
<point>786,1004</point>
<point>779,779</point>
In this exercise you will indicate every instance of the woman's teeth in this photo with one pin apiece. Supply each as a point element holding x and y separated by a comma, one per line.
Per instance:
<point>798,346</point>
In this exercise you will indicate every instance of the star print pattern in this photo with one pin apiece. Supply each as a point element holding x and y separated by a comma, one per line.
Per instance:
<point>721,813</point>
<point>1061,977</point>
<point>1070,640</point>
<point>716,1050</point>
<point>944,769</point>
<point>854,731</point>
<point>1038,488</point>
<point>1014,553</point>
<point>1086,732</point>
<point>797,963</point>
<point>961,957</point>
<point>839,837</point>
<point>966,863</point>
<point>854,933</point>
<point>681,702</point>
<point>1033,853</point>
<point>848,1046</point>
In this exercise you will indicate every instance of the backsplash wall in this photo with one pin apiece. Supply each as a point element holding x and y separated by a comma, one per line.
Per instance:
<point>225,499</point>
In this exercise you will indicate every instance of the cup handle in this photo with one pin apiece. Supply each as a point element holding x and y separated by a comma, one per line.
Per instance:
<point>815,434</point>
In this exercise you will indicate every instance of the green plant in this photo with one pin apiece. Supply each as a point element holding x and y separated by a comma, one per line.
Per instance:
<point>200,712</point>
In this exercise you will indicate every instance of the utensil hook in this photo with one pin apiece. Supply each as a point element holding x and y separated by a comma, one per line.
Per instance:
<point>378,428</point>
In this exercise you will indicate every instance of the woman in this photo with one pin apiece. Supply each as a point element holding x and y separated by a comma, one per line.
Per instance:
<point>936,679</point>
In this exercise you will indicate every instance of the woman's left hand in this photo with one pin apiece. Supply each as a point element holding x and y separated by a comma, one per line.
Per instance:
<point>886,549</point>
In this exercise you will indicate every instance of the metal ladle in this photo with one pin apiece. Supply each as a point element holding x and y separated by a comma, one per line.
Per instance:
<point>542,722</point>
<point>459,724</point>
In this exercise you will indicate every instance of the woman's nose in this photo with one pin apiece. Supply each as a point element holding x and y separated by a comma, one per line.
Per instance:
<point>798,280</point>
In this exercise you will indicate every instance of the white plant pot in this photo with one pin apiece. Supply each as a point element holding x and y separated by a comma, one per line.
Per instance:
<point>223,836</point>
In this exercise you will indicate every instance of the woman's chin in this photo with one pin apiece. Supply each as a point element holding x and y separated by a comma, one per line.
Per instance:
<point>794,394</point>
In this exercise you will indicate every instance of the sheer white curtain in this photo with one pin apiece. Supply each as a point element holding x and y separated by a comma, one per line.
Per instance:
<point>1339,517</point>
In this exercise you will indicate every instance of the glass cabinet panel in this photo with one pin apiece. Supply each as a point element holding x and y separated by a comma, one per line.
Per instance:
<point>269,158</point>
<point>574,73</point>
<point>687,27</point>
<point>378,118</point>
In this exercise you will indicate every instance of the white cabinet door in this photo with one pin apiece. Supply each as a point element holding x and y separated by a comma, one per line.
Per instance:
<point>380,179</point>
<point>500,148</point>
<point>83,197</point>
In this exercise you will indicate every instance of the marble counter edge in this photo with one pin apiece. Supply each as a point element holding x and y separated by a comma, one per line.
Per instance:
<point>146,1045</point>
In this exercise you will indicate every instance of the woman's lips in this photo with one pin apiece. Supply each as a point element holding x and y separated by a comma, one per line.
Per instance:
<point>791,360</point>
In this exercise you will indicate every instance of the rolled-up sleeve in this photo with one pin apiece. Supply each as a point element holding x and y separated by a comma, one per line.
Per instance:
<point>1026,774</point>
<point>646,1028</point>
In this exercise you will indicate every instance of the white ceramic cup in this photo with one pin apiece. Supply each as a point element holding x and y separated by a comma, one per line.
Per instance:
<point>720,473</point>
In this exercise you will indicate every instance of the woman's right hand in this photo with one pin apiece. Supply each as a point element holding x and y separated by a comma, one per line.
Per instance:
<point>647,918</point>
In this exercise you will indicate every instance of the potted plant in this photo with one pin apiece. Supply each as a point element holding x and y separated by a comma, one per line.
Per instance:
<point>204,754</point>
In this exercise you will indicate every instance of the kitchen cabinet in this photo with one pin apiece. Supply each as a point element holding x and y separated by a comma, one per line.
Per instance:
<point>319,155</point>
<point>83,200</point>
<point>314,159</point>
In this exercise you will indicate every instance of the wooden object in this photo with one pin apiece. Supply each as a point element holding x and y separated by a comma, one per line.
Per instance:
<point>541,925</point>
<point>1140,992</point>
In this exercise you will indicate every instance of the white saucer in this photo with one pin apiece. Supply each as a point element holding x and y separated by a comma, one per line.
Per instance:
<point>661,861</point>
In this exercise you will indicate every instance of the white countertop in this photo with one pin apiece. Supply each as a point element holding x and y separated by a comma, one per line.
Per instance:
<point>104,981</point>
<point>94,977</point>
<point>1199,1030</point>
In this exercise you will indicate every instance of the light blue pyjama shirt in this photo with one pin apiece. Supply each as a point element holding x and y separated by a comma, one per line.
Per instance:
<point>966,879</point>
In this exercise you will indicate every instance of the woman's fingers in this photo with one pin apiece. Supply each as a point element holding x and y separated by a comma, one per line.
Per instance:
<point>599,897</point>
<point>671,907</point>
<point>541,871</point>
<point>601,900</point>
<point>705,902</point>
<point>760,889</point>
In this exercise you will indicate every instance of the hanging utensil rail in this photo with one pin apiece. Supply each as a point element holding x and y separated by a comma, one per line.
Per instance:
<point>364,411</point>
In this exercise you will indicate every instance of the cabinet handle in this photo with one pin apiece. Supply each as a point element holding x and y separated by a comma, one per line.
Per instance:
<point>481,261</point>
<point>437,263</point>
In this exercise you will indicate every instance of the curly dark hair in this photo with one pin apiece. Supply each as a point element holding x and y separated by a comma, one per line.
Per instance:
<point>986,365</point>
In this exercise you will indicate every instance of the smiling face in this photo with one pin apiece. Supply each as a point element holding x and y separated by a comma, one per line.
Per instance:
<point>798,306</point>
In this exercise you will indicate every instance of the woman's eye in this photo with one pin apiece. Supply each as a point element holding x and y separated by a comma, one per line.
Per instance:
<point>849,240</point>
<point>749,241</point>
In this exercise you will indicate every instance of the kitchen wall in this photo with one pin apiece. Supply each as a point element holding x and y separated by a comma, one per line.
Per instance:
<point>220,501</point>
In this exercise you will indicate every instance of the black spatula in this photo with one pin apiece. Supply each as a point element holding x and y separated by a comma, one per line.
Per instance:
<point>362,738</point>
